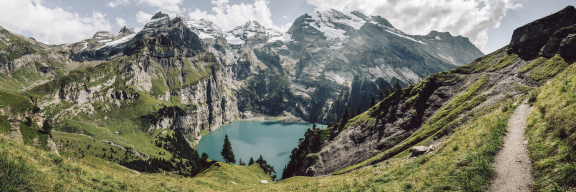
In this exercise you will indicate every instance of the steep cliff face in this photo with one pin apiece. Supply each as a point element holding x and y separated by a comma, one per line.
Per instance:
<point>427,112</point>
<point>163,67</point>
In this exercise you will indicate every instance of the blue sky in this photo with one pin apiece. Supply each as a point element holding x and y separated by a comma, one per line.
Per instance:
<point>487,23</point>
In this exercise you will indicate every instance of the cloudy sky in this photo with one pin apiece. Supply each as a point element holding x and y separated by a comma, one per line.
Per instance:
<point>488,23</point>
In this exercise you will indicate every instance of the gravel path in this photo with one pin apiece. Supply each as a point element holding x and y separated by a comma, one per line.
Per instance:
<point>512,164</point>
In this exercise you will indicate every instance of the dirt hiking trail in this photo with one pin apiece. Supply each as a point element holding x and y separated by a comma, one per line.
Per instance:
<point>512,164</point>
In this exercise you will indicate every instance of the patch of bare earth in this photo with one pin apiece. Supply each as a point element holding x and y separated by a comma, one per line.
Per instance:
<point>512,164</point>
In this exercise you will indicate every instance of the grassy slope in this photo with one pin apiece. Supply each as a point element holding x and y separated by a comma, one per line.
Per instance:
<point>26,168</point>
<point>551,129</point>
<point>462,162</point>
<point>461,159</point>
<point>435,125</point>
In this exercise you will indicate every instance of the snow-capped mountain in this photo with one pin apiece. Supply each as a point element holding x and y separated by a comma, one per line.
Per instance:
<point>253,30</point>
<point>326,61</point>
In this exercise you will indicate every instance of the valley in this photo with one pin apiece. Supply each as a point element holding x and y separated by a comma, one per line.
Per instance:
<point>394,112</point>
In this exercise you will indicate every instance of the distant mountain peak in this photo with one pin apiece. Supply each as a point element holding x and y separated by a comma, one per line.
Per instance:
<point>159,15</point>
<point>102,34</point>
<point>126,30</point>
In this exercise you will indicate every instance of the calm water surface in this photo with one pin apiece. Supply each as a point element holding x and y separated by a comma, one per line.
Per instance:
<point>273,139</point>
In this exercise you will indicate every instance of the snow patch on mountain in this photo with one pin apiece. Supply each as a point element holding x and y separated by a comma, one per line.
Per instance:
<point>406,37</point>
<point>449,59</point>
<point>205,29</point>
<point>234,40</point>
<point>118,42</point>
<point>326,22</point>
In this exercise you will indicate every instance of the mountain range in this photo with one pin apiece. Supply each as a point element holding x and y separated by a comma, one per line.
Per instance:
<point>153,94</point>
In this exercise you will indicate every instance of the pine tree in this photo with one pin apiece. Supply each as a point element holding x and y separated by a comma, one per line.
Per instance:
<point>381,95</point>
<point>372,102</point>
<point>261,160</point>
<point>240,162</point>
<point>346,116</point>
<point>251,162</point>
<point>267,168</point>
<point>397,86</point>
<point>387,92</point>
<point>46,126</point>
<point>359,110</point>
<point>204,157</point>
<point>227,153</point>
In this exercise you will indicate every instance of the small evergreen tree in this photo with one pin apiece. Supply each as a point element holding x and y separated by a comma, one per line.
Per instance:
<point>387,92</point>
<point>381,95</point>
<point>372,102</point>
<point>359,111</point>
<point>240,162</point>
<point>46,126</point>
<point>267,168</point>
<point>227,153</point>
<point>251,162</point>
<point>204,157</point>
<point>346,115</point>
<point>397,86</point>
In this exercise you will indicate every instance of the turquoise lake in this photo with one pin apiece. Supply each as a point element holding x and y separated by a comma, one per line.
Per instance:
<point>273,140</point>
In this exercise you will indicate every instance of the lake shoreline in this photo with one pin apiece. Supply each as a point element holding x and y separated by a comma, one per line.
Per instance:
<point>286,117</point>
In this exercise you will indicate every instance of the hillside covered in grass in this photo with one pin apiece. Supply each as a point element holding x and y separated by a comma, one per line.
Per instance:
<point>131,123</point>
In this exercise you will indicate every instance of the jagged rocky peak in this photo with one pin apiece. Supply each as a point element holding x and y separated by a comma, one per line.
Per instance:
<point>438,36</point>
<point>252,30</point>
<point>248,30</point>
<point>103,34</point>
<point>125,30</point>
<point>205,29</point>
<point>330,25</point>
<point>159,15</point>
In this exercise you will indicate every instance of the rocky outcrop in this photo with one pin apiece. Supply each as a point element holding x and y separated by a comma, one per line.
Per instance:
<point>528,40</point>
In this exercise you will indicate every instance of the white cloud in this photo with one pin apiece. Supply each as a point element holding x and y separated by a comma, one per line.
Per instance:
<point>470,18</point>
<point>118,2</point>
<point>285,27</point>
<point>164,5</point>
<point>228,16</point>
<point>121,22</point>
<point>143,17</point>
<point>283,16</point>
<point>50,25</point>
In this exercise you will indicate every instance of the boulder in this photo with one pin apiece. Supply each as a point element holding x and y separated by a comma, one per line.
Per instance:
<point>419,150</point>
